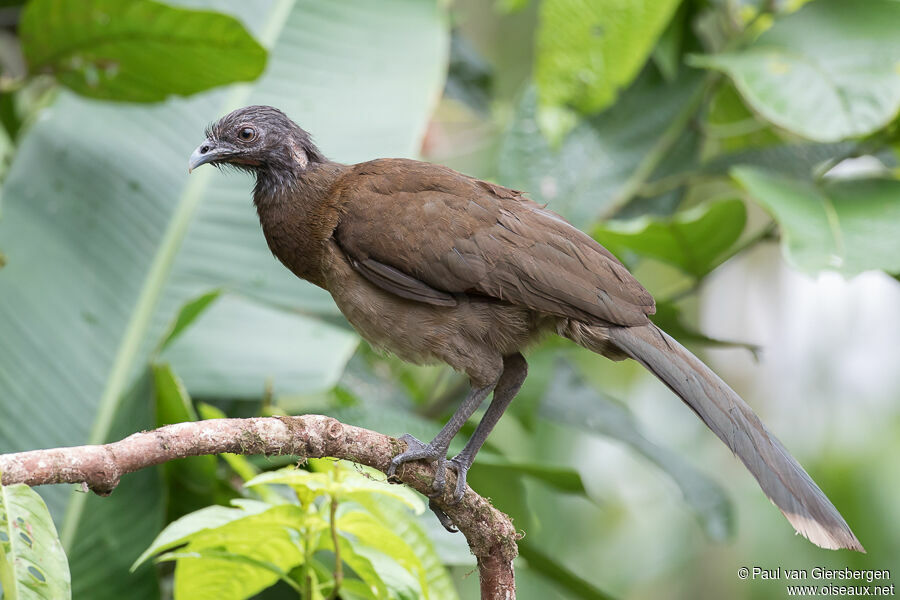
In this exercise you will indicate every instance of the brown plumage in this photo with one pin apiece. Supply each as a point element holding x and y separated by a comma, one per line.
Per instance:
<point>435,266</point>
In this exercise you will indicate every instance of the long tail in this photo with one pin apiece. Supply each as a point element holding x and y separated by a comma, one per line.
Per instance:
<point>781,477</point>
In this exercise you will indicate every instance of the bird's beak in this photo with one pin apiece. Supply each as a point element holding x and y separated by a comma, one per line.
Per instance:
<point>206,152</point>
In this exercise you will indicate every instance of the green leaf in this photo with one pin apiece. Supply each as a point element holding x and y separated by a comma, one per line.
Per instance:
<point>583,176</point>
<point>848,225</point>
<point>191,482</point>
<point>351,481</point>
<point>271,541</point>
<point>188,314</point>
<point>356,589</point>
<point>827,72</point>
<point>360,564</point>
<point>564,479</point>
<point>366,530</point>
<point>223,575</point>
<point>571,401</point>
<point>400,583</point>
<point>549,567</point>
<point>302,480</point>
<point>507,492</point>
<point>695,241</point>
<point>386,510</point>
<point>730,126</point>
<point>126,49</point>
<point>667,52</point>
<point>105,248</point>
<point>178,532</point>
<point>274,355</point>
<point>587,50</point>
<point>33,565</point>
<point>173,404</point>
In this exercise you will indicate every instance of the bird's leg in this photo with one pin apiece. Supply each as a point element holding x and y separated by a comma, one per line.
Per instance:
<point>437,448</point>
<point>514,371</point>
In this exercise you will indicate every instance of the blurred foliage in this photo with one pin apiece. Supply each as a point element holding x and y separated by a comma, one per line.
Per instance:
<point>588,49</point>
<point>132,296</point>
<point>125,50</point>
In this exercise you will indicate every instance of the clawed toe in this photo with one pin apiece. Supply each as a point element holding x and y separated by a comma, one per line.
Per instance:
<point>461,466</point>
<point>445,520</point>
<point>415,450</point>
<point>440,477</point>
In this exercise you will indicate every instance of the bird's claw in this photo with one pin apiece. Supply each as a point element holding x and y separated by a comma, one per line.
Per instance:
<point>415,450</point>
<point>461,466</point>
<point>445,520</point>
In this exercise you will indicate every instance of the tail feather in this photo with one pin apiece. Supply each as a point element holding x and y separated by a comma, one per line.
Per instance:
<point>781,477</point>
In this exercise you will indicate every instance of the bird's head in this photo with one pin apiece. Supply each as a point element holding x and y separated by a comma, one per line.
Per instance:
<point>260,139</point>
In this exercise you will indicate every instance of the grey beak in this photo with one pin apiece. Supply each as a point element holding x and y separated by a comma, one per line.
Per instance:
<point>205,152</point>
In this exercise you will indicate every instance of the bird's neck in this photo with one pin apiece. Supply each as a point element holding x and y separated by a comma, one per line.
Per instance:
<point>298,214</point>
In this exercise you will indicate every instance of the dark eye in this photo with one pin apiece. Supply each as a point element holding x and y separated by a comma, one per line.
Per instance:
<point>247,134</point>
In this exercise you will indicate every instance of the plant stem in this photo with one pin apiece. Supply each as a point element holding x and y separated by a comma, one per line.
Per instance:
<point>338,563</point>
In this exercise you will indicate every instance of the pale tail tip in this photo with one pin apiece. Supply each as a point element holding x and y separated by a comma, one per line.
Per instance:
<point>836,537</point>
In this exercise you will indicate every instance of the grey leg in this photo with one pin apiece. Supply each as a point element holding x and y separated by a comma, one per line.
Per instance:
<point>437,448</point>
<point>514,371</point>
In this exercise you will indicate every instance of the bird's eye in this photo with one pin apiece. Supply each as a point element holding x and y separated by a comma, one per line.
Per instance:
<point>247,134</point>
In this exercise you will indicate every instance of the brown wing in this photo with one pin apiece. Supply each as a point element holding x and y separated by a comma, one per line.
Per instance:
<point>455,234</point>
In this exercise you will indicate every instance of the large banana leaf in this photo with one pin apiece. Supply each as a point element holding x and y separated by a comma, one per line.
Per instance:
<point>105,237</point>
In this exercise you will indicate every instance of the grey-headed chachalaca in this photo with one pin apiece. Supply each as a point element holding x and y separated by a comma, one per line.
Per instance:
<point>435,266</point>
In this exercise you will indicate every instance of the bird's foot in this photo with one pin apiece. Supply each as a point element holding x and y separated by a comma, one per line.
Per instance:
<point>416,450</point>
<point>461,465</point>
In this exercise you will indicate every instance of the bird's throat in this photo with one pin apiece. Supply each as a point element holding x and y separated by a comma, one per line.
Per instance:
<point>298,215</point>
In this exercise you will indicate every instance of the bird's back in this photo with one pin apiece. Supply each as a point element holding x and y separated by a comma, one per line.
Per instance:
<point>460,235</point>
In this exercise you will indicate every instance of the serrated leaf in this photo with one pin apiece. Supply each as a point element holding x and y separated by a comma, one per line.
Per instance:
<point>124,49</point>
<point>33,565</point>
<point>827,72</point>
<point>694,240</point>
<point>848,226</point>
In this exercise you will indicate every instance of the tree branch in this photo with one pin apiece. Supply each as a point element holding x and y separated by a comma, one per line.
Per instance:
<point>489,532</point>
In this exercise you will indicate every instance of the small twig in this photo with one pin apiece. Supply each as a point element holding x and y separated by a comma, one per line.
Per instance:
<point>489,533</point>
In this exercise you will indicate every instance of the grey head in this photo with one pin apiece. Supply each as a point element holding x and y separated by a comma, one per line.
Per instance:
<point>259,139</point>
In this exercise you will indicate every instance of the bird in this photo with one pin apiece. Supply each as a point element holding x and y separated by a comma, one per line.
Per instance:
<point>434,266</point>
